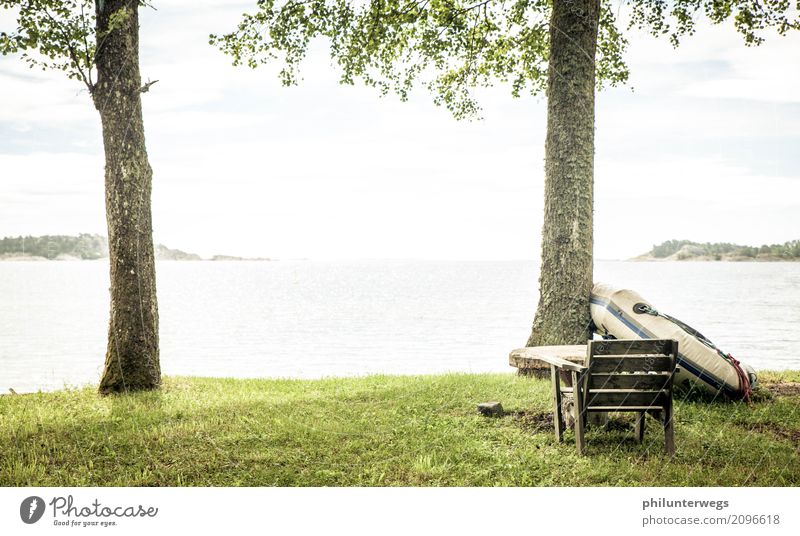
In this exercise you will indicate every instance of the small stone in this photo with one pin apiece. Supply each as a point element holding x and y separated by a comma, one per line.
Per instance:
<point>491,409</point>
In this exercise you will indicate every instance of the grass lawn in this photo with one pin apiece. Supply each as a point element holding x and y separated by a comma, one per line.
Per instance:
<point>381,431</point>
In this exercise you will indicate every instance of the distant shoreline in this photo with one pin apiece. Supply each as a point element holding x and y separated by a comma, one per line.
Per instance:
<point>70,258</point>
<point>87,247</point>
<point>641,258</point>
<point>686,250</point>
<point>707,258</point>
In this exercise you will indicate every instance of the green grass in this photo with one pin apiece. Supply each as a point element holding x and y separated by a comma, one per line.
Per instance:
<point>378,431</point>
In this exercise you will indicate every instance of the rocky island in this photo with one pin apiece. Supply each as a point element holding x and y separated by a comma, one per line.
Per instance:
<point>80,248</point>
<point>686,250</point>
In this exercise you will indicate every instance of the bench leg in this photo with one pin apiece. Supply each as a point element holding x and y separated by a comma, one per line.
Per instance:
<point>640,426</point>
<point>669,432</point>
<point>558,419</point>
<point>577,393</point>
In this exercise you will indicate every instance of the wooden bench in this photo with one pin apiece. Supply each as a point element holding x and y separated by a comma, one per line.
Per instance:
<point>617,375</point>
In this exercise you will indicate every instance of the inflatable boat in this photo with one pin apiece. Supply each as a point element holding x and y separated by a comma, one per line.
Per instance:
<point>624,314</point>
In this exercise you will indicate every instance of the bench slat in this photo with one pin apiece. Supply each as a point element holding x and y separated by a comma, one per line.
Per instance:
<point>632,347</point>
<point>631,364</point>
<point>626,397</point>
<point>623,409</point>
<point>629,381</point>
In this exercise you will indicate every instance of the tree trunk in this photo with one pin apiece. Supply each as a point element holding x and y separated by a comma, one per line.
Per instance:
<point>566,274</point>
<point>132,360</point>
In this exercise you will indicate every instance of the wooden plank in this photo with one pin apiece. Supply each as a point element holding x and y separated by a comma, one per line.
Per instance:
<point>569,352</point>
<point>562,363</point>
<point>540,364</point>
<point>530,357</point>
<point>624,397</point>
<point>611,409</point>
<point>629,381</point>
<point>579,442</point>
<point>631,347</point>
<point>602,364</point>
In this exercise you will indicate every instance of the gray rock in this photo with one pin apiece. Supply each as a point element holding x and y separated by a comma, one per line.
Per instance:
<point>491,409</point>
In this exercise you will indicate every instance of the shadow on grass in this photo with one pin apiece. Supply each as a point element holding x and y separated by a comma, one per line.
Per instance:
<point>532,421</point>
<point>542,422</point>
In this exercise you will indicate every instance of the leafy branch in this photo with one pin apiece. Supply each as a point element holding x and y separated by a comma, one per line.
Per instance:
<point>452,47</point>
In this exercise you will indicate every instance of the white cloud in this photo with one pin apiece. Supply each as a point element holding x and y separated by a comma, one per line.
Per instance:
<point>716,64</point>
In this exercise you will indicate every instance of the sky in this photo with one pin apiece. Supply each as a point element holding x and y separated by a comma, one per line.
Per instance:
<point>703,144</point>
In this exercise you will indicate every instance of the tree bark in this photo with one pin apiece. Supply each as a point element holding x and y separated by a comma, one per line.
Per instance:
<point>565,281</point>
<point>132,357</point>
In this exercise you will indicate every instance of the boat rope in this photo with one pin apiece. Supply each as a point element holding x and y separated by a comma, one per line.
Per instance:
<point>744,380</point>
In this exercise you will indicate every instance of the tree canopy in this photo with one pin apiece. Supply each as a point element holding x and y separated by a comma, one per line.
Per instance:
<point>59,35</point>
<point>53,35</point>
<point>452,47</point>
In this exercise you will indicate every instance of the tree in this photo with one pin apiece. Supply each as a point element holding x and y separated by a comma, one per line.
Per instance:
<point>564,47</point>
<point>97,43</point>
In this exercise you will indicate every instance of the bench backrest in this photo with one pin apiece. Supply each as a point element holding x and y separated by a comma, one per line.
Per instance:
<point>629,374</point>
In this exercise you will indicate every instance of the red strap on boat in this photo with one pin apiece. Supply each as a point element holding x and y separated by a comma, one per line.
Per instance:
<point>744,379</point>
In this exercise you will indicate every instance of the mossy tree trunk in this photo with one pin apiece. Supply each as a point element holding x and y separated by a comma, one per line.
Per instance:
<point>565,282</point>
<point>132,357</point>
